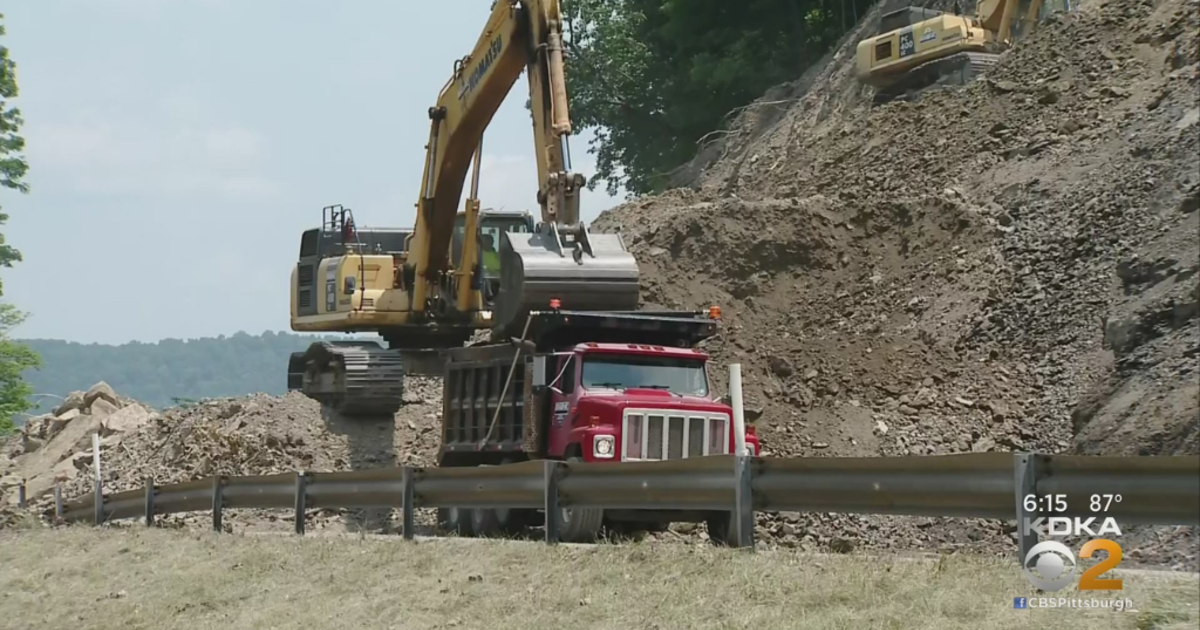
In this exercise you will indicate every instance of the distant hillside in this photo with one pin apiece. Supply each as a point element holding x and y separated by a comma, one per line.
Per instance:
<point>158,373</point>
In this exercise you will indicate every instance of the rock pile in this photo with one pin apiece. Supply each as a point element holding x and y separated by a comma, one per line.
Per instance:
<point>250,435</point>
<point>262,435</point>
<point>56,447</point>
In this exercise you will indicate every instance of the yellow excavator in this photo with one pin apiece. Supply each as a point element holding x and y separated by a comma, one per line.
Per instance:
<point>916,48</point>
<point>457,272</point>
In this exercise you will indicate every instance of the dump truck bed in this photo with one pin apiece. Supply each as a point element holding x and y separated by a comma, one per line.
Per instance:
<point>551,330</point>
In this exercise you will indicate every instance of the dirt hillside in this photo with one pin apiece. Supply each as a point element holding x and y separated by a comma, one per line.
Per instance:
<point>1010,265</point>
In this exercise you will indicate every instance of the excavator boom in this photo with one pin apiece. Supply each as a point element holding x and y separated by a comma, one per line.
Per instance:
<point>559,258</point>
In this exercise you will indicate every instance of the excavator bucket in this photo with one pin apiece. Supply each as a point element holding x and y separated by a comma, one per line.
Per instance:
<point>583,271</point>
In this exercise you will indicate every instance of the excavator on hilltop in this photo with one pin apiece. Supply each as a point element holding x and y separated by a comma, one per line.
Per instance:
<point>916,48</point>
<point>457,272</point>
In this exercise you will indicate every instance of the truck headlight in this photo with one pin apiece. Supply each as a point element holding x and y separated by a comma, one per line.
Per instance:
<point>604,446</point>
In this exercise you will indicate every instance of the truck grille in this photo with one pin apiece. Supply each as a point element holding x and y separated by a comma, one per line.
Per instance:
<point>656,434</point>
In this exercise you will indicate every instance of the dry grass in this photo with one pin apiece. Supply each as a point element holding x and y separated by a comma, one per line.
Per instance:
<point>101,579</point>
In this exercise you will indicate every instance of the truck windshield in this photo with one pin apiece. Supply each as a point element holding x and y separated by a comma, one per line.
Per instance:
<point>680,376</point>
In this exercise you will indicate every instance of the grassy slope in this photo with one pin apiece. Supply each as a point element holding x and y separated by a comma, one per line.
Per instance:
<point>135,578</point>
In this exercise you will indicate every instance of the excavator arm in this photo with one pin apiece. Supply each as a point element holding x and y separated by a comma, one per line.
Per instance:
<point>520,35</point>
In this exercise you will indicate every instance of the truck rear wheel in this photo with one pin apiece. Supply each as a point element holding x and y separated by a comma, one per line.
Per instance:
<point>485,523</point>
<point>455,521</point>
<point>490,522</point>
<point>579,525</point>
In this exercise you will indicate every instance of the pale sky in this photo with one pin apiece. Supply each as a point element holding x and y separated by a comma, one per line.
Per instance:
<point>178,148</point>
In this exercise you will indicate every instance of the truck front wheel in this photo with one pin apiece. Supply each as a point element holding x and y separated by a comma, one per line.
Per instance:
<point>579,525</point>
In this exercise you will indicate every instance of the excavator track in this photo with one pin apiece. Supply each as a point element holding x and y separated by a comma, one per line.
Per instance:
<point>954,70</point>
<point>352,378</point>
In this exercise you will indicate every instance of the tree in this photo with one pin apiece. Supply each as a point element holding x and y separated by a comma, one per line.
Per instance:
<point>15,358</point>
<point>654,76</point>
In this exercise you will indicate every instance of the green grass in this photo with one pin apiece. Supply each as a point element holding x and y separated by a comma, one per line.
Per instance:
<point>132,578</point>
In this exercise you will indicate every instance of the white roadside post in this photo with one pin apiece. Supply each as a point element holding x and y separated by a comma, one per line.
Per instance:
<point>739,417</point>
<point>98,498</point>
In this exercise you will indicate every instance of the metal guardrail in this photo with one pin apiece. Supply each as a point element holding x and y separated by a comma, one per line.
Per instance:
<point>1153,490</point>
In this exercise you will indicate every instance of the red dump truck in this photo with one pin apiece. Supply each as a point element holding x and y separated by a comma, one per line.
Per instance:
<point>584,386</point>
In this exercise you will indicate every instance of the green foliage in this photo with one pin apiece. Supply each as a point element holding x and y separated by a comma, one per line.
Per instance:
<point>654,76</point>
<point>171,372</point>
<point>15,358</point>
<point>12,162</point>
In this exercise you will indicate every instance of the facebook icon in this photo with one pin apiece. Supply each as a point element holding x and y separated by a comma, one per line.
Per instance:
<point>1018,602</point>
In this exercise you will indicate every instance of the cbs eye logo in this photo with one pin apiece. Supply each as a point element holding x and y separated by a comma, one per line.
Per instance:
<point>1050,566</point>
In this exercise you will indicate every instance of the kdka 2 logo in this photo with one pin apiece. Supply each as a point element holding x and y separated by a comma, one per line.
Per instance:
<point>1050,565</point>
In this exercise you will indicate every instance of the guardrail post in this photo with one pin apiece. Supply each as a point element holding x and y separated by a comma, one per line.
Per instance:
<point>98,503</point>
<point>218,502</point>
<point>301,491</point>
<point>1025,471</point>
<point>149,481</point>
<point>743,502</point>
<point>21,495</point>
<point>552,474</point>
<point>58,503</point>
<point>409,478</point>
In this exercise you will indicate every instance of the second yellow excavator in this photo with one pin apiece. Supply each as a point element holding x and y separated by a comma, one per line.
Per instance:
<point>916,48</point>
<point>431,287</point>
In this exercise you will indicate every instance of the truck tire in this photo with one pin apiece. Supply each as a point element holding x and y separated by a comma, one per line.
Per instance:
<point>579,525</point>
<point>455,521</point>
<point>493,522</point>
<point>485,523</point>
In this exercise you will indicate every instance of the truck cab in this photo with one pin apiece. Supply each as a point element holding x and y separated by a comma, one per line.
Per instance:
<point>634,402</point>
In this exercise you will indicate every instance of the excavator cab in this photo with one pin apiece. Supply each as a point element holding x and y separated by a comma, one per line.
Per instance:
<point>905,16</point>
<point>492,225</point>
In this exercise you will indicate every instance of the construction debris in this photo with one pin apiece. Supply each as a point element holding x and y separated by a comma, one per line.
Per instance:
<point>55,447</point>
